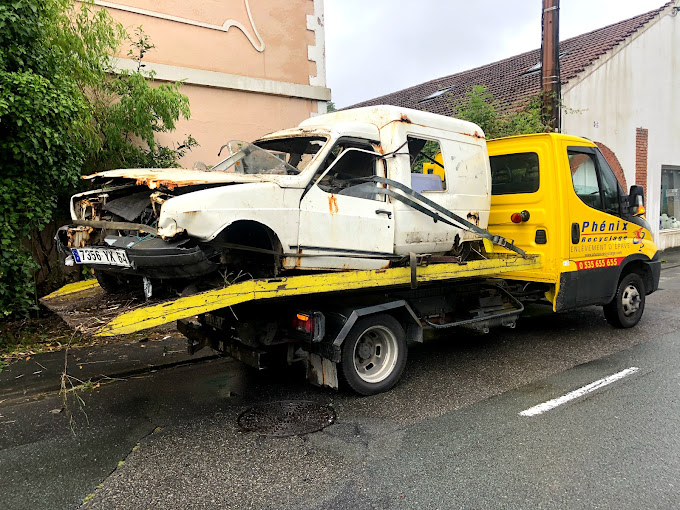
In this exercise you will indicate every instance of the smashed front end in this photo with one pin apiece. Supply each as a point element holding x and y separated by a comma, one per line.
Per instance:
<point>115,229</point>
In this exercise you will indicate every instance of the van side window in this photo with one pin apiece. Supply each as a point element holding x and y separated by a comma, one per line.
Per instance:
<point>594,181</point>
<point>349,166</point>
<point>427,165</point>
<point>514,173</point>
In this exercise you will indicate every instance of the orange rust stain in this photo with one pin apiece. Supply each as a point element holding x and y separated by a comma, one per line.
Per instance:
<point>405,119</point>
<point>152,183</point>
<point>473,217</point>
<point>475,135</point>
<point>332,204</point>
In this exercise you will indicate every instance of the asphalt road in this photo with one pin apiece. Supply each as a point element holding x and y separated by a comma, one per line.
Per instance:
<point>448,436</point>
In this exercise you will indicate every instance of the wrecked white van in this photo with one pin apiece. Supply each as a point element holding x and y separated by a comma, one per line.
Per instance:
<point>341,191</point>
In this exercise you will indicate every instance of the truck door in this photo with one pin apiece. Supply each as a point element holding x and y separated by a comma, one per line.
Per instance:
<point>602,232</point>
<point>345,222</point>
<point>598,231</point>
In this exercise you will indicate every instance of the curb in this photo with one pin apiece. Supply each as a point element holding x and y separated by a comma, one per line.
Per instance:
<point>54,385</point>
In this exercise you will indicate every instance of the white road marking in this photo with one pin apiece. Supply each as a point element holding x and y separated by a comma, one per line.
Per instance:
<point>552,404</point>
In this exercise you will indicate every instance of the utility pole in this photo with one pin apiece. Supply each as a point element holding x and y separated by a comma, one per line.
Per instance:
<point>550,63</point>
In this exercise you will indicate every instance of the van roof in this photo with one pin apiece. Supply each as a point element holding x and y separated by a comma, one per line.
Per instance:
<point>383,115</point>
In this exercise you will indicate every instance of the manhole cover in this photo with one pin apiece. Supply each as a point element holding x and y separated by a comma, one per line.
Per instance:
<point>287,418</point>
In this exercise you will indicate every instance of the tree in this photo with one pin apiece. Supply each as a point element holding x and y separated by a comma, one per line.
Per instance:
<point>480,107</point>
<point>64,111</point>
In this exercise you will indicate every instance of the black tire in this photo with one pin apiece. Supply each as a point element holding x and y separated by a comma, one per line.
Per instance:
<point>118,284</point>
<point>374,354</point>
<point>625,310</point>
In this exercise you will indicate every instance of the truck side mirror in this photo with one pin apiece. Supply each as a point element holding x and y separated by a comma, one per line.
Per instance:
<point>636,200</point>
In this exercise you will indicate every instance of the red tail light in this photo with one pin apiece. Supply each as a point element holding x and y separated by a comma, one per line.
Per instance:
<point>519,217</point>
<point>303,323</point>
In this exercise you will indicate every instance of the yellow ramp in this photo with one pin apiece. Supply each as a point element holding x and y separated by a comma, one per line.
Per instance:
<point>181,308</point>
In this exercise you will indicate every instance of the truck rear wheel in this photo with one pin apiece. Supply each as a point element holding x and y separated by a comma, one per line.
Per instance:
<point>625,310</point>
<point>374,354</point>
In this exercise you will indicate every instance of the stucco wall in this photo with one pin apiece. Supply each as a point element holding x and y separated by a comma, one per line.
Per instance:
<point>636,86</point>
<point>219,115</point>
<point>251,66</point>
<point>282,25</point>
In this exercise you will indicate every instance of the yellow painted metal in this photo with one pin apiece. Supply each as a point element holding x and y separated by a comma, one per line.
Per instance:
<point>71,288</point>
<point>605,239</point>
<point>435,169</point>
<point>181,308</point>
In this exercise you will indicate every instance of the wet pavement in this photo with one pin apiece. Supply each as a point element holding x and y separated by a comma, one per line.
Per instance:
<point>447,436</point>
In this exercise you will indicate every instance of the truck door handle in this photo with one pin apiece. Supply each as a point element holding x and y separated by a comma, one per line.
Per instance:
<point>383,211</point>
<point>575,233</point>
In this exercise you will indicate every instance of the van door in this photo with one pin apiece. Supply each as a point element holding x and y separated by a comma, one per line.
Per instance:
<point>344,223</point>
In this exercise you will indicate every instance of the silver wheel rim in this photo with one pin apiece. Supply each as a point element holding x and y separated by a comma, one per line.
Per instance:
<point>375,354</point>
<point>630,300</point>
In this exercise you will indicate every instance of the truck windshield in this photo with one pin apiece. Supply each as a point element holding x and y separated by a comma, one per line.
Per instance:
<point>285,156</point>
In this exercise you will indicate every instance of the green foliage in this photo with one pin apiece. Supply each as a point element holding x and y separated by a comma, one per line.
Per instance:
<point>129,112</point>
<point>480,107</point>
<point>63,112</point>
<point>330,107</point>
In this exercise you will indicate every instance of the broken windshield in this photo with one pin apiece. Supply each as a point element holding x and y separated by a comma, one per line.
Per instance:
<point>285,156</point>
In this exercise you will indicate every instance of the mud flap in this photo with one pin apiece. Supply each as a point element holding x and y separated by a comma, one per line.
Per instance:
<point>322,371</point>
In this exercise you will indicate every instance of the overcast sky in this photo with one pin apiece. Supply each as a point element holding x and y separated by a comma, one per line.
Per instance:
<point>374,47</point>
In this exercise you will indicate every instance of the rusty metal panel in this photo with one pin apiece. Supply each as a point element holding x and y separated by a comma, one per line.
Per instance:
<point>322,371</point>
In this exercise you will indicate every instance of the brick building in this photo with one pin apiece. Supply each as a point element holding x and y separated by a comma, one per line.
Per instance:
<point>620,87</point>
<point>250,66</point>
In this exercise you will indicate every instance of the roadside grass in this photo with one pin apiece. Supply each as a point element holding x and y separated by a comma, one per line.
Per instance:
<point>20,338</point>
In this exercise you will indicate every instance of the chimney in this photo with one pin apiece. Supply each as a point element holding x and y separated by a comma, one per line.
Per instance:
<point>550,63</point>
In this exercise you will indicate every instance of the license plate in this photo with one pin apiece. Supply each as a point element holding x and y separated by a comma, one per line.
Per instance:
<point>105,256</point>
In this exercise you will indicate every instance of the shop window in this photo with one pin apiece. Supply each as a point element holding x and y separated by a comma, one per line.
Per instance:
<point>670,198</point>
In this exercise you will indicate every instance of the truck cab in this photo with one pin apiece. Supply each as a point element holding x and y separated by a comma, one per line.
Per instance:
<point>556,195</point>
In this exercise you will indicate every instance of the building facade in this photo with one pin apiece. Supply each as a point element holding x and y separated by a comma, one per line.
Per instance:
<point>629,99</point>
<point>620,88</point>
<point>249,66</point>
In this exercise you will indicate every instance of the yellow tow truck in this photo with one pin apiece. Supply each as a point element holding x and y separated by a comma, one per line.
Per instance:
<point>561,232</point>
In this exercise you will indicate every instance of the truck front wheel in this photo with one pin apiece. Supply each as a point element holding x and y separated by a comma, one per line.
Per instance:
<point>374,354</point>
<point>625,310</point>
